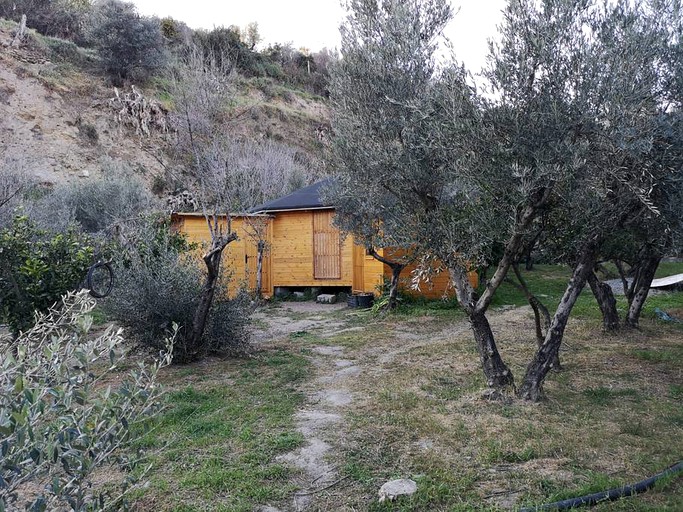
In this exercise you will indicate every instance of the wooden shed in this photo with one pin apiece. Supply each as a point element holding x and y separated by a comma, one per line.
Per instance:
<point>240,258</point>
<point>303,248</point>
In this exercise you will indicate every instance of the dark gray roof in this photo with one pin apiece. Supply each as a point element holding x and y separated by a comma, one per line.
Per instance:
<point>302,199</point>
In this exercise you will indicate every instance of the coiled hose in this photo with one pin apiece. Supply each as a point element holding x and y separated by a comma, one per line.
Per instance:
<point>611,495</point>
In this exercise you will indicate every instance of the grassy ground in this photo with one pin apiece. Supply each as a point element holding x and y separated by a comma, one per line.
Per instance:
<point>613,416</point>
<point>225,423</point>
<point>548,282</point>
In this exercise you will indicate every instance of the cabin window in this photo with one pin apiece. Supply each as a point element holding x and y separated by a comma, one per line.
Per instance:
<point>326,246</point>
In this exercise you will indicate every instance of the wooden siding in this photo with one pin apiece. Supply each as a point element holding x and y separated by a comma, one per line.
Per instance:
<point>326,246</point>
<point>289,259</point>
<point>439,286</point>
<point>358,268</point>
<point>292,261</point>
<point>238,266</point>
<point>373,275</point>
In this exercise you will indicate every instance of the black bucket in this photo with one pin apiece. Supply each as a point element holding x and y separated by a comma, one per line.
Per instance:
<point>365,300</point>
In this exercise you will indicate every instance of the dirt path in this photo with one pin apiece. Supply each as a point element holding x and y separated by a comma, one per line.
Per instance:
<point>339,384</point>
<point>321,420</point>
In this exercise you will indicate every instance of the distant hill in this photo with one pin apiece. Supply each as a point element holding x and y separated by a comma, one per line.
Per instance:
<point>56,121</point>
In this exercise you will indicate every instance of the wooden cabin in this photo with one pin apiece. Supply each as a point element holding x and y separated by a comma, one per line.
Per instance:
<point>302,249</point>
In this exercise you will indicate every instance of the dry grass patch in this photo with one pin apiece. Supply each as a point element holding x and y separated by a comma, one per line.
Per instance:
<point>611,417</point>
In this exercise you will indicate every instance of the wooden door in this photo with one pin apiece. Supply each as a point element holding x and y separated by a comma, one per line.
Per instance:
<point>326,246</point>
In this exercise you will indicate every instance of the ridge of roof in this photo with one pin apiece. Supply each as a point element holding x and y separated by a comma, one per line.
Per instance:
<point>305,198</point>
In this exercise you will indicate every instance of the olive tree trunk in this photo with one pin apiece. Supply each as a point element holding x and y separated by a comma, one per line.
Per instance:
<point>396,269</point>
<point>259,267</point>
<point>497,373</point>
<point>640,288</point>
<point>212,260</point>
<point>532,386</point>
<point>605,299</point>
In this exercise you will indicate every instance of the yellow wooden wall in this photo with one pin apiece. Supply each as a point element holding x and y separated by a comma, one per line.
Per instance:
<point>373,275</point>
<point>289,259</point>
<point>292,252</point>
<point>238,265</point>
<point>439,286</point>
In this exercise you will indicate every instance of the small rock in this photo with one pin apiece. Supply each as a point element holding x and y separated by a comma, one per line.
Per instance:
<point>299,295</point>
<point>326,298</point>
<point>85,174</point>
<point>395,488</point>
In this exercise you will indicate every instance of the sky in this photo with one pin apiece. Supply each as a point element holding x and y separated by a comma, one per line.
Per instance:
<point>314,24</point>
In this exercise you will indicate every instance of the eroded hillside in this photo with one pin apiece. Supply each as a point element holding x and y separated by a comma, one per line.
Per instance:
<point>57,123</point>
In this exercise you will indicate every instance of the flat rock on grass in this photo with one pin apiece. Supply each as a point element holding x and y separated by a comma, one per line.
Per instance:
<point>395,488</point>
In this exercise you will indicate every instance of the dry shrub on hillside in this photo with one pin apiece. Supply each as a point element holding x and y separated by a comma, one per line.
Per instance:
<point>232,172</point>
<point>14,183</point>
<point>96,205</point>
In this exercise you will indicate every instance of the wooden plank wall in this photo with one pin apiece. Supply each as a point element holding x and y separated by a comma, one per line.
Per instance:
<point>292,261</point>
<point>373,273</point>
<point>439,286</point>
<point>326,246</point>
<point>237,267</point>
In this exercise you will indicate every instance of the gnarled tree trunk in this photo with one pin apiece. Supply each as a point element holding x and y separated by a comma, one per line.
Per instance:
<point>497,374</point>
<point>212,260</point>
<point>640,288</point>
<point>396,269</point>
<point>259,267</point>
<point>608,304</point>
<point>532,386</point>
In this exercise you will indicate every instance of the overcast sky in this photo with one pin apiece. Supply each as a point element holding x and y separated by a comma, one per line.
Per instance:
<point>314,24</point>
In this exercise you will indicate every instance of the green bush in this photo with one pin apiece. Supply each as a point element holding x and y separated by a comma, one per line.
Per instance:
<point>96,204</point>
<point>158,287</point>
<point>130,46</point>
<point>64,50</point>
<point>59,422</point>
<point>37,268</point>
<point>58,18</point>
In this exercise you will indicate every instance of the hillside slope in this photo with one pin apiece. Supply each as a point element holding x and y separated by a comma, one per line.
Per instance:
<point>56,123</point>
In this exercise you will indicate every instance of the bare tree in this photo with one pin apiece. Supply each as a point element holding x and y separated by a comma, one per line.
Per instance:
<point>14,182</point>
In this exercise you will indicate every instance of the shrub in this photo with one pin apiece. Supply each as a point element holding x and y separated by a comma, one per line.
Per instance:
<point>37,268</point>
<point>15,183</point>
<point>158,287</point>
<point>88,132</point>
<point>59,423</point>
<point>96,204</point>
<point>227,331</point>
<point>130,46</point>
<point>155,289</point>
<point>58,18</point>
<point>64,51</point>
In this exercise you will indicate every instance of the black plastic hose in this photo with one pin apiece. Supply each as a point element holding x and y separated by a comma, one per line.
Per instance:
<point>611,495</point>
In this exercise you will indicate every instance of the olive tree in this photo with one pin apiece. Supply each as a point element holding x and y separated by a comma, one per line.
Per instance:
<point>560,135</point>
<point>430,145</point>
<point>130,46</point>
<point>69,410</point>
<point>377,89</point>
<point>622,112</point>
